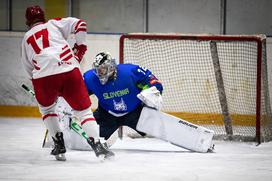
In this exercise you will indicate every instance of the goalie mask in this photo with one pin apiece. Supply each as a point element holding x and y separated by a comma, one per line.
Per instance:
<point>105,67</point>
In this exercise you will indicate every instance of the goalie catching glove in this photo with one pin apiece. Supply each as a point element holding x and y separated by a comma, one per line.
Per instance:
<point>151,97</point>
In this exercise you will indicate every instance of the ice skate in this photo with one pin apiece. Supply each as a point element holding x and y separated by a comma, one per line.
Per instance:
<point>59,147</point>
<point>101,150</point>
<point>211,149</point>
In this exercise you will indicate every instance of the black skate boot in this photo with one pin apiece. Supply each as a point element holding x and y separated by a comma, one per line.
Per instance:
<point>101,150</point>
<point>59,147</point>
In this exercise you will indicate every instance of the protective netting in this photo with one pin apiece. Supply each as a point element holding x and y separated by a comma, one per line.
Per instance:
<point>185,66</point>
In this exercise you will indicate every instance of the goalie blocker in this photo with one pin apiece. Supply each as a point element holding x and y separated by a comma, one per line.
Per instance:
<point>175,130</point>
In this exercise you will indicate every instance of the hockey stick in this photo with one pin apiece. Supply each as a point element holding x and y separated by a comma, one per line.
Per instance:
<point>78,129</point>
<point>33,94</point>
<point>73,124</point>
<point>28,90</point>
<point>45,137</point>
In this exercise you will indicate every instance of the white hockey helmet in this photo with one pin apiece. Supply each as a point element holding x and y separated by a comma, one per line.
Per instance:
<point>105,67</point>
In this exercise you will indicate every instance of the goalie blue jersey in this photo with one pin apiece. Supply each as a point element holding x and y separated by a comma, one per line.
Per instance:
<point>119,96</point>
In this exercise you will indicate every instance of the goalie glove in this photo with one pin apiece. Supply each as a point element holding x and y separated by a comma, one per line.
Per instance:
<point>79,51</point>
<point>151,97</point>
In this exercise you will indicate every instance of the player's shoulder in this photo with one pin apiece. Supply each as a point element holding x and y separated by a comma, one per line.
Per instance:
<point>35,28</point>
<point>127,66</point>
<point>27,34</point>
<point>55,20</point>
<point>58,20</point>
<point>90,74</point>
<point>132,69</point>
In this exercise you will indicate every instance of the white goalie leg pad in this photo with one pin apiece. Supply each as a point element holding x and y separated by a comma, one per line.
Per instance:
<point>88,122</point>
<point>175,130</point>
<point>73,140</point>
<point>112,139</point>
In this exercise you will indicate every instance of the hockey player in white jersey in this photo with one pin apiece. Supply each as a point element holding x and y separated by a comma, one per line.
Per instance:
<point>53,66</point>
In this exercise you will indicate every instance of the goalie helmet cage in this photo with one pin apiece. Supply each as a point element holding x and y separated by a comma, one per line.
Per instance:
<point>218,81</point>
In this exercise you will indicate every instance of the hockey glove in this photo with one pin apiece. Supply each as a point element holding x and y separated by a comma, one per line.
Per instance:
<point>79,51</point>
<point>151,97</point>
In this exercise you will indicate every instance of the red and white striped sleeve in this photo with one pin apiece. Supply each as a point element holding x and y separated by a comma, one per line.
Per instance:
<point>80,26</point>
<point>80,31</point>
<point>71,25</point>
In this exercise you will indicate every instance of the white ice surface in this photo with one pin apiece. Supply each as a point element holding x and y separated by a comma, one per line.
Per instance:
<point>23,159</point>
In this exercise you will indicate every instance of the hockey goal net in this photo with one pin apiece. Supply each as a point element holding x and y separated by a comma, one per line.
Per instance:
<point>217,81</point>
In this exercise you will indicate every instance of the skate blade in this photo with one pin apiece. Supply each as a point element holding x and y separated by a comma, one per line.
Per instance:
<point>60,157</point>
<point>103,158</point>
<point>109,157</point>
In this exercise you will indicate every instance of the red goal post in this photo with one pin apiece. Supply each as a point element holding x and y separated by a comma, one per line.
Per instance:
<point>219,81</point>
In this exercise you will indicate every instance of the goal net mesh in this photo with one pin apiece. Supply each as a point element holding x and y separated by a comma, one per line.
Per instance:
<point>216,95</point>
